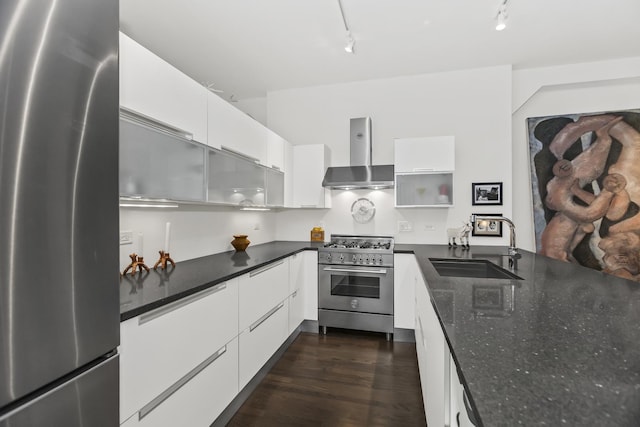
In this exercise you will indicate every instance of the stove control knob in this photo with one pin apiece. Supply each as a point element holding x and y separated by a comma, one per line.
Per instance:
<point>354,259</point>
<point>341,258</point>
<point>380,260</point>
<point>328,257</point>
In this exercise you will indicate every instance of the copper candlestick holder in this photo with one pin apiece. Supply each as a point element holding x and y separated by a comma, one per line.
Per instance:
<point>162,261</point>
<point>137,263</point>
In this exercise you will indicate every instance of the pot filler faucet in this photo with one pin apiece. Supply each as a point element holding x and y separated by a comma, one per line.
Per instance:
<point>513,250</point>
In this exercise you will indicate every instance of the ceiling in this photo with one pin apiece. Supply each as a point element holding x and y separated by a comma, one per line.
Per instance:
<point>250,47</point>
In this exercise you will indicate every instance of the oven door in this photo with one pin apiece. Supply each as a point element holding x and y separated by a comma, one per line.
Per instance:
<point>356,288</point>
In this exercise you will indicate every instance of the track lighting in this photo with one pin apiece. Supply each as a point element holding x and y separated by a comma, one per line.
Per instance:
<point>350,43</point>
<point>502,16</point>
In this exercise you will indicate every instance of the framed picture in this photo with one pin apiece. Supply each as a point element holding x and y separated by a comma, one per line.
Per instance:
<point>487,228</point>
<point>486,193</point>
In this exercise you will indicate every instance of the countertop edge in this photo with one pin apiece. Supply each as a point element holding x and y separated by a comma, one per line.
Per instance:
<point>134,312</point>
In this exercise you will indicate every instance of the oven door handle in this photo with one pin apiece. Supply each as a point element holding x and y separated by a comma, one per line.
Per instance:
<point>348,270</point>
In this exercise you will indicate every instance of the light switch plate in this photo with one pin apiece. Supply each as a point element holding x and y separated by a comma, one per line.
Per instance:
<point>126,237</point>
<point>405,226</point>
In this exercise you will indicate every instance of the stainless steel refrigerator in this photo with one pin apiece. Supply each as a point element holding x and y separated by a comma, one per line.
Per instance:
<point>59,318</point>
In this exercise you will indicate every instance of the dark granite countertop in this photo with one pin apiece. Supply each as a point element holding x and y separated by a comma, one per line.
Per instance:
<point>560,347</point>
<point>144,292</point>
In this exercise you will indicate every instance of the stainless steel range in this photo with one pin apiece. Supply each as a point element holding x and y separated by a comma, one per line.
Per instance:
<point>355,283</point>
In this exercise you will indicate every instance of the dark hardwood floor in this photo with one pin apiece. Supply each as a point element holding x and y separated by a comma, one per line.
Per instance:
<point>345,378</point>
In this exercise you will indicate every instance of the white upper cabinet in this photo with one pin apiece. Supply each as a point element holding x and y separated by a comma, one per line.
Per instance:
<point>288,172</point>
<point>275,150</point>
<point>155,88</point>
<point>424,170</point>
<point>310,163</point>
<point>426,154</point>
<point>232,129</point>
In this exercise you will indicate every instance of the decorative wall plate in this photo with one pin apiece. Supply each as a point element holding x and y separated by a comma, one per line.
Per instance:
<point>363,210</point>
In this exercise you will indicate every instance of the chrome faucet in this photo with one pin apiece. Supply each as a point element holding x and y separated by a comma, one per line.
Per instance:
<point>513,250</point>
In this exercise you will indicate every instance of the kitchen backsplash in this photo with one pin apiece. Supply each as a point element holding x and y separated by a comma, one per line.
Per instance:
<point>195,231</point>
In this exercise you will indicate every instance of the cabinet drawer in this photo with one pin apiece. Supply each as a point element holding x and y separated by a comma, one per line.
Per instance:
<point>261,290</point>
<point>160,347</point>
<point>198,398</point>
<point>261,340</point>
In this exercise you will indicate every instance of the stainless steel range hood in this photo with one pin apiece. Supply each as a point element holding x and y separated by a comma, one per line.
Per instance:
<point>361,174</point>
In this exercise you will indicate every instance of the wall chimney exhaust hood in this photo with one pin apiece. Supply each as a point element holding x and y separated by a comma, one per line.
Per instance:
<point>361,174</point>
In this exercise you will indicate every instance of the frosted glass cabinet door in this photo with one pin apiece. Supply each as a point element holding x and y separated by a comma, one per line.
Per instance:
<point>424,189</point>
<point>234,180</point>
<point>154,164</point>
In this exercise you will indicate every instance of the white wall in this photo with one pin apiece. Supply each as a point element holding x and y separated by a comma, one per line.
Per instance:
<point>255,107</point>
<point>195,230</point>
<point>577,88</point>
<point>472,105</point>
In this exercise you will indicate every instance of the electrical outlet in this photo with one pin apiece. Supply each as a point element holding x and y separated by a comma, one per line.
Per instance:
<point>404,226</point>
<point>126,237</point>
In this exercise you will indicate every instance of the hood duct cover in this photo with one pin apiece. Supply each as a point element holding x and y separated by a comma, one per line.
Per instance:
<point>361,174</point>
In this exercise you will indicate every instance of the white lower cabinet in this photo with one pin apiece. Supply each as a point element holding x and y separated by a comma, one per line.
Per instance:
<point>309,282</point>
<point>261,290</point>
<point>303,278</point>
<point>433,357</point>
<point>160,347</point>
<point>261,339</point>
<point>183,363</point>
<point>296,290</point>
<point>442,391</point>
<point>404,271</point>
<point>296,309</point>
<point>199,397</point>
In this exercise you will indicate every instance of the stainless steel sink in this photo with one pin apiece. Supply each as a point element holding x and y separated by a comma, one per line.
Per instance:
<point>476,268</point>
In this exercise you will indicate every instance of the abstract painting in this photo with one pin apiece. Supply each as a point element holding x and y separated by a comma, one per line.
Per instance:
<point>585,176</point>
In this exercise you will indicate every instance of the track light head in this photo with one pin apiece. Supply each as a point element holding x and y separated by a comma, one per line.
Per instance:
<point>502,17</point>
<point>351,42</point>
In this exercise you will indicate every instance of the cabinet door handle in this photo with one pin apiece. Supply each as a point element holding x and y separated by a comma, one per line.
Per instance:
<point>270,313</point>
<point>149,407</point>
<point>150,122</point>
<point>308,206</point>
<point>147,317</point>
<point>263,269</point>
<point>239,153</point>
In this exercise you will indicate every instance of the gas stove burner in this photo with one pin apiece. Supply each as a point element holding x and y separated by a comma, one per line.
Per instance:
<point>360,243</point>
